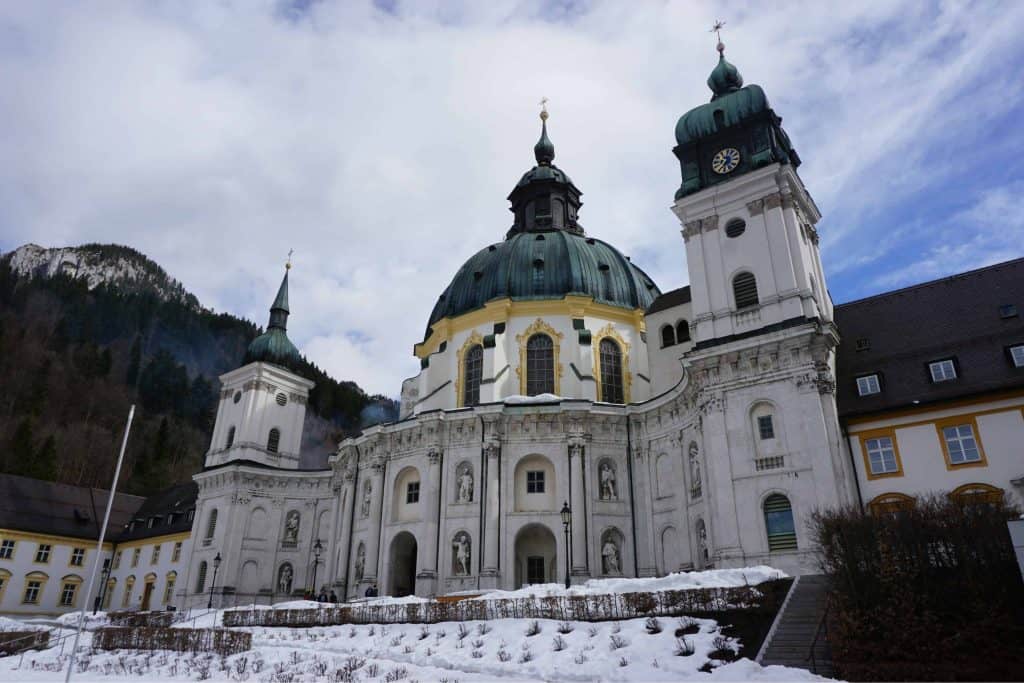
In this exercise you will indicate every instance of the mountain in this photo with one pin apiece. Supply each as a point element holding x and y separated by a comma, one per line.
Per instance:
<point>87,331</point>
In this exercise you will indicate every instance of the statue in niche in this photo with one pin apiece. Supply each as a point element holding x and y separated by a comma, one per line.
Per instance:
<point>702,541</point>
<point>465,483</point>
<point>360,563</point>
<point>608,491</point>
<point>367,495</point>
<point>284,579</point>
<point>291,528</point>
<point>461,554</point>
<point>694,467</point>
<point>610,556</point>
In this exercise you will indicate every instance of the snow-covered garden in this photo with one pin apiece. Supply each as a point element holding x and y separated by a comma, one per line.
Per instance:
<point>641,649</point>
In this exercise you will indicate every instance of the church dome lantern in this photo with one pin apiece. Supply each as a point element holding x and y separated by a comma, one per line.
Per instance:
<point>274,346</point>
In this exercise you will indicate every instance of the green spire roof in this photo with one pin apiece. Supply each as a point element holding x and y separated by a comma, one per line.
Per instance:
<point>544,150</point>
<point>279,309</point>
<point>274,346</point>
<point>725,78</point>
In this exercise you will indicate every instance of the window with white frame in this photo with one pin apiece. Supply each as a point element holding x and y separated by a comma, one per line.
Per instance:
<point>412,492</point>
<point>1017,355</point>
<point>32,590</point>
<point>535,482</point>
<point>942,370</point>
<point>7,549</point>
<point>881,455</point>
<point>135,556</point>
<point>868,385</point>
<point>43,553</point>
<point>77,557</point>
<point>765,427</point>
<point>961,444</point>
<point>155,557</point>
<point>67,594</point>
<point>176,553</point>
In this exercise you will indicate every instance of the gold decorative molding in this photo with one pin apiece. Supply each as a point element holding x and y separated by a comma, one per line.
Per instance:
<point>475,339</point>
<point>609,332</point>
<point>538,326</point>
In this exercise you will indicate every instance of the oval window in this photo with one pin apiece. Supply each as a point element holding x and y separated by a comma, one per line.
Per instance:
<point>735,227</point>
<point>238,396</point>
<point>281,399</point>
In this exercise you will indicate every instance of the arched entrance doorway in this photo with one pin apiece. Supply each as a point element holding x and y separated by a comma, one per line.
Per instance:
<point>536,555</point>
<point>403,565</point>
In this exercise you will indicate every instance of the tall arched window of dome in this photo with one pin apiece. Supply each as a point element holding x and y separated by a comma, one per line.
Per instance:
<point>211,526</point>
<point>744,290</point>
<point>611,372</point>
<point>231,438</point>
<point>668,336</point>
<point>682,331</point>
<point>778,521</point>
<point>274,440</point>
<point>540,365</point>
<point>474,373</point>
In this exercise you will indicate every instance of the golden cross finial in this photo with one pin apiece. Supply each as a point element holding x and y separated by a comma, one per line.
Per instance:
<point>288,263</point>
<point>544,108</point>
<point>717,30</point>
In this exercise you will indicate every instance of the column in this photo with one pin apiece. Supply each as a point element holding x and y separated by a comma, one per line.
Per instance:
<point>371,571</point>
<point>578,505</point>
<point>344,536</point>
<point>723,525</point>
<point>426,575</point>
<point>492,498</point>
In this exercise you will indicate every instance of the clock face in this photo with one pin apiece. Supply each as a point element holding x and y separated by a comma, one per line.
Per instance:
<point>725,160</point>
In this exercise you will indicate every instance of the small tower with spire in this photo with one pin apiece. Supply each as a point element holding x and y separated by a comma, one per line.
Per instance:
<point>263,403</point>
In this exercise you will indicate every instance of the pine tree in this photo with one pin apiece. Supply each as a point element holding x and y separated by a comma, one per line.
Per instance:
<point>134,361</point>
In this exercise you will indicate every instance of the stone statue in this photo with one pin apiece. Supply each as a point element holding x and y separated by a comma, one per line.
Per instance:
<point>466,484</point>
<point>367,494</point>
<point>291,528</point>
<point>461,554</point>
<point>608,491</point>
<point>694,467</point>
<point>702,541</point>
<point>284,579</point>
<point>360,563</point>
<point>610,556</point>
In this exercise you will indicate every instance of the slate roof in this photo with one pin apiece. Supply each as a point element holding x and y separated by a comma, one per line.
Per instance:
<point>169,508</point>
<point>955,317</point>
<point>44,507</point>
<point>675,297</point>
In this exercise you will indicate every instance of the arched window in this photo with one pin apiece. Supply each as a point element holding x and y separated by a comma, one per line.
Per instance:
<point>201,577</point>
<point>211,524</point>
<point>973,494</point>
<point>668,336</point>
<point>474,373</point>
<point>231,438</point>
<point>611,372</point>
<point>540,365</point>
<point>273,440</point>
<point>682,331</point>
<point>744,289</point>
<point>778,520</point>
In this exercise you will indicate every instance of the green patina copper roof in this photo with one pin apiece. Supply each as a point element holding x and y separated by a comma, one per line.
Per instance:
<point>274,346</point>
<point>736,106</point>
<point>546,265</point>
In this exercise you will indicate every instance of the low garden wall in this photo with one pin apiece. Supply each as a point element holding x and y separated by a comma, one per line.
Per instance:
<point>136,619</point>
<point>13,642</point>
<point>219,641</point>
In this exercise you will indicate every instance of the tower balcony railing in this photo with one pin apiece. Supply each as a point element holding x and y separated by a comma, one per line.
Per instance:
<point>772,462</point>
<point>747,316</point>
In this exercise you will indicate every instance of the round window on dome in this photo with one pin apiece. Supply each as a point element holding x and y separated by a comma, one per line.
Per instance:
<point>735,227</point>
<point>281,398</point>
<point>238,396</point>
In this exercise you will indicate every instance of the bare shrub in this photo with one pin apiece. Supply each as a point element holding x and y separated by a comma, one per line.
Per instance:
<point>617,642</point>
<point>592,631</point>
<point>580,658</point>
<point>564,627</point>
<point>483,628</point>
<point>623,661</point>
<point>462,632</point>
<point>424,633</point>
<point>504,655</point>
<point>722,649</point>
<point>525,656</point>
<point>372,670</point>
<point>652,625</point>
<point>395,642</point>
<point>476,654</point>
<point>478,643</point>
<point>396,674</point>
<point>533,628</point>
<point>558,644</point>
<point>616,627</point>
<point>684,647</point>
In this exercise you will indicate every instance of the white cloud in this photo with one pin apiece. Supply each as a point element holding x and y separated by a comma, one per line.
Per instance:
<point>381,146</point>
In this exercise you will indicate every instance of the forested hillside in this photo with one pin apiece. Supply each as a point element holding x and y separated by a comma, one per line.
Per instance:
<point>73,359</point>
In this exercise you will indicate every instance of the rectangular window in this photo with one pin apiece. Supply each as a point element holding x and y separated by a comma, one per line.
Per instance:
<point>868,385</point>
<point>169,590</point>
<point>535,569</point>
<point>77,557</point>
<point>765,427</point>
<point>961,445</point>
<point>32,589</point>
<point>881,455</point>
<point>155,557</point>
<point>535,482</point>
<point>117,559</point>
<point>412,492</point>
<point>1017,355</point>
<point>135,556</point>
<point>67,594</point>
<point>43,553</point>
<point>7,550</point>
<point>176,553</point>
<point>942,370</point>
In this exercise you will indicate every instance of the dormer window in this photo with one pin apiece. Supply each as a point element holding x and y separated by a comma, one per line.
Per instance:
<point>942,370</point>
<point>868,385</point>
<point>1017,355</point>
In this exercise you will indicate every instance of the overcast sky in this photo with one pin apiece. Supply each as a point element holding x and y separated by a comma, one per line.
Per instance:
<point>380,140</point>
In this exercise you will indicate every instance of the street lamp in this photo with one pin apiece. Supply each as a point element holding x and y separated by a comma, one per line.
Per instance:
<point>317,549</point>
<point>104,577</point>
<point>216,566</point>
<point>566,523</point>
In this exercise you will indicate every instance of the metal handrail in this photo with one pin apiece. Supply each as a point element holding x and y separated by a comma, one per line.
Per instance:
<point>822,628</point>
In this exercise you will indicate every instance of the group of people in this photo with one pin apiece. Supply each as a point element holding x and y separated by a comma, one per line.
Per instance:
<point>324,596</point>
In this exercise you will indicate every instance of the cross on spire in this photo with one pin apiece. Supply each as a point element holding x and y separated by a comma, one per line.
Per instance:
<point>544,109</point>
<point>717,30</point>
<point>288,263</point>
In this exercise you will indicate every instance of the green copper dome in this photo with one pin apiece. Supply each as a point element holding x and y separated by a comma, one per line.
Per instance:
<point>274,346</point>
<point>724,79</point>
<point>724,111</point>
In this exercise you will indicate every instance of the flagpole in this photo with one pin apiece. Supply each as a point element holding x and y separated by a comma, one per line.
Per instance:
<point>99,544</point>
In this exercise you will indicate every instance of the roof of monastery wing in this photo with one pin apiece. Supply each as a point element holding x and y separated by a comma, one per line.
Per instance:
<point>958,317</point>
<point>670,299</point>
<point>168,509</point>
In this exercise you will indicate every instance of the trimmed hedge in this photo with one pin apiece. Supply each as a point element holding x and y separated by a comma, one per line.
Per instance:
<point>570,608</point>
<point>220,641</point>
<point>932,592</point>
<point>13,642</point>
<point>137,619</point>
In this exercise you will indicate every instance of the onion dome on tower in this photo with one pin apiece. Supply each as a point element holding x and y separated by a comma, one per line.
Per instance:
<point>546,254</point>
<point>274,346</point>
<point>739,122</point>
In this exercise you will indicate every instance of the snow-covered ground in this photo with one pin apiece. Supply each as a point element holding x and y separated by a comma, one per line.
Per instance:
<point>497,650</point>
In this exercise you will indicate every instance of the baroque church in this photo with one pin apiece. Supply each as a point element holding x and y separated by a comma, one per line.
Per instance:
<point>570,420</point>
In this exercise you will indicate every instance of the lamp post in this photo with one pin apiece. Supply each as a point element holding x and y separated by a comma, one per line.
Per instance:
<point>317,549</point>
<point>566,524</point>
<point>216,566</point>
<point>104,577</point>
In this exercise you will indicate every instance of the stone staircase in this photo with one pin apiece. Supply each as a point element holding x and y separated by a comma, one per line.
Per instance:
<point>795,627</point>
